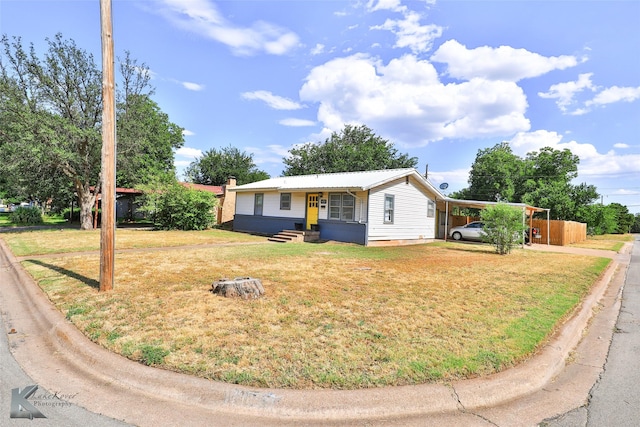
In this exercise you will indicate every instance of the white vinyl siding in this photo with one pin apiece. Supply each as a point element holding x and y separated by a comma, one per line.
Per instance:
<point>410,207</point>
<point>271,205</point>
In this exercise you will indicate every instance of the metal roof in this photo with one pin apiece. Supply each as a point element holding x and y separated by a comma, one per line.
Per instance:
<point>343,181</point>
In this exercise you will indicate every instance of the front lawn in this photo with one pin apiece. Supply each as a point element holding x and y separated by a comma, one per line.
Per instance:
<point>334,315</point>
<point>608,242</point>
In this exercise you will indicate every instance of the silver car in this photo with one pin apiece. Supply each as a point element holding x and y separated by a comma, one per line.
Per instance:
<point>471,231</point>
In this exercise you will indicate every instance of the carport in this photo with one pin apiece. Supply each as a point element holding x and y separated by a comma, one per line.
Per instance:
<point>527,211</point>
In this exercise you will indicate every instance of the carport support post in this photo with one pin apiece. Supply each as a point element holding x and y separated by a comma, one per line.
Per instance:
<point>107,228</point>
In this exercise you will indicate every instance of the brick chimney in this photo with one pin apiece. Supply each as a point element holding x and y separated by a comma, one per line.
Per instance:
<point>228,203</point>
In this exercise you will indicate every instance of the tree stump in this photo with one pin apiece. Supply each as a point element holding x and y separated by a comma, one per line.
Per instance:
<point>240,287</point>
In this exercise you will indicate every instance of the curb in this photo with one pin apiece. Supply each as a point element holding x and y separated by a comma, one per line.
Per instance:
<point>59,357</point>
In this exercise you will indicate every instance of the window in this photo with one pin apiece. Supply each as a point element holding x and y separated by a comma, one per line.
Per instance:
<point>341,207</point>
<point>258,202</point>
<point>431,209</point>
<point>285,201</point>
<point>389,202</point>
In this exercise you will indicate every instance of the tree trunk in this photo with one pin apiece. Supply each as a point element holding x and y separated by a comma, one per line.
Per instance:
<point>86,199</point>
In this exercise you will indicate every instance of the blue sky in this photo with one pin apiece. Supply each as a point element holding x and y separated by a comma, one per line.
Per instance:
<point>439,79</point>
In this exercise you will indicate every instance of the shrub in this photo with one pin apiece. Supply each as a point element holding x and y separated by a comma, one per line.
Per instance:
<point>503,227</point>
<point>26,216</point>
<point>176,207</point>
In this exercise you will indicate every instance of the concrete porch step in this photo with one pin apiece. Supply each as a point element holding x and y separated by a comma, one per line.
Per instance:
<point>295,236</point>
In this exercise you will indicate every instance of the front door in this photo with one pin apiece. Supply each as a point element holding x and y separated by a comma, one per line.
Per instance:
<point>312,210</point>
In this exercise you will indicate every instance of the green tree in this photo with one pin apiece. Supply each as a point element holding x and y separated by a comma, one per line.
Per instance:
<point>542,179</point>
<point>503,227</point>
<point>495,174</point>
<point>214,167</point>
<point>54,112</point>
<point>599,219</point>
<point>624,219</point>
<point>355,148</point>
<point>146,137</point>
<point>51,112</point>
<point>635,228</point>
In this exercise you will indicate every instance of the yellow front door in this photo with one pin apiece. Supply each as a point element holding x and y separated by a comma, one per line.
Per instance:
<point>312,210</point>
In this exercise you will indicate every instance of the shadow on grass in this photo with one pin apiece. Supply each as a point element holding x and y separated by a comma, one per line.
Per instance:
<point>12,228</point>
<point>82,279</point>
<point>474,247</point>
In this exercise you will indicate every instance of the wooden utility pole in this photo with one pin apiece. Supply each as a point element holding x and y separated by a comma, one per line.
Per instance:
<point>108,226</point>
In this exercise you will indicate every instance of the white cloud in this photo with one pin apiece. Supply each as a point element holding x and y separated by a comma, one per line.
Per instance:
<point>271,154</point>
<point>456,179</point>
<point>621,145</point>
<point>187,132</point>
<point>592,163</point>
<point>189,153</point>
<point>615,94</point>
<point>297,122</point>
<point>274,101</point>
<point>393,5</point>
<point>405,98</point>
<point>318,49</point>
<point>502,63</point>
<point>193,86</point>
<point>410,33</point>
<point>203,18</point>
<point>564,93</point>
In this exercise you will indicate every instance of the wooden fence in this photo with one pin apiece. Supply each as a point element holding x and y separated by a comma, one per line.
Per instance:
<point>561,233</point>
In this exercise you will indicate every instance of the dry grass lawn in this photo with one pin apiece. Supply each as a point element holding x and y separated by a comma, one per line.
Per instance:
<point>609,242</point>
<point>334,316</point>
<point>67,240</point>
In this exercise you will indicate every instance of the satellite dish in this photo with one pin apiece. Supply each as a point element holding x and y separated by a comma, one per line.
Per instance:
<point>444,186</point>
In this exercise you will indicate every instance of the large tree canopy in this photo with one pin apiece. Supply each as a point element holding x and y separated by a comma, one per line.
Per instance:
<point>543,178</point>
<point>355,148</point>
<point>214,167</point>
<point>146,137</point>
<point>51,111</point>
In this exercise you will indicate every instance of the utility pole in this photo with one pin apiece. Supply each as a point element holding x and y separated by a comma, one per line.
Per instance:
<point>107,228</point>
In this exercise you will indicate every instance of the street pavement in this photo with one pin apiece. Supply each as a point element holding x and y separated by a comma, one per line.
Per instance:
<point>614,400</point>
<point>67,367</point>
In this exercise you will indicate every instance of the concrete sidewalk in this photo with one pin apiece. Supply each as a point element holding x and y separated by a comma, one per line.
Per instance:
<point>58,357</point>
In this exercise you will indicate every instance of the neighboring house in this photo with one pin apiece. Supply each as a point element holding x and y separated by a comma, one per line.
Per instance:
<point>127,206</point>
<point>370,207</point>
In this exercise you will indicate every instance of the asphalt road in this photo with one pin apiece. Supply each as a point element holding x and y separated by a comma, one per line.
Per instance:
<point>57,409</point>
<point>614,400</point>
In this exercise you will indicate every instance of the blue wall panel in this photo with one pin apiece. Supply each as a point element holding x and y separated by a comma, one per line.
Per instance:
<point>264,224</point>
<point>350,232</point>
